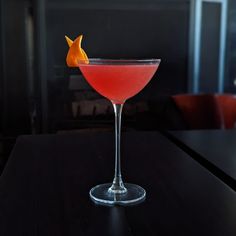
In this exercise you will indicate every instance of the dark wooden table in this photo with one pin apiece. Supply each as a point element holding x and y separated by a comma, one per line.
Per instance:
<point>215,149</point>
<point>44,188</point>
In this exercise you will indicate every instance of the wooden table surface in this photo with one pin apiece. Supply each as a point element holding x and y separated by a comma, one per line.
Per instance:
<point>216,149</point>
<point>44,188</point>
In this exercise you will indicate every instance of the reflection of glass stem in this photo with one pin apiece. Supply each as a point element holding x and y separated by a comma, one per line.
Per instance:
<point>117,185</point>
<point>118,223</point>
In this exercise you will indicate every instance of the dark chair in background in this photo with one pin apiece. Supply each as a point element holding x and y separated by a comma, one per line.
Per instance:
<point>200,111</point>
<point>227,103</point>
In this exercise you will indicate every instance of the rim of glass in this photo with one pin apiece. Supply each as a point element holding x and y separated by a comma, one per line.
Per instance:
<point>104,61</point>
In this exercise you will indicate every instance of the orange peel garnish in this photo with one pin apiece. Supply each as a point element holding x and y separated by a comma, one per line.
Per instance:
<point>75,52</point>
<point>69,41</point>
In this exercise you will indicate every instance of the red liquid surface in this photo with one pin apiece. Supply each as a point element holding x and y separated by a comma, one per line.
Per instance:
<point>118,82</point>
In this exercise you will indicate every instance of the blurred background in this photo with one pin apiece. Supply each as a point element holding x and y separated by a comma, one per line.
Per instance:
<point>196,40</point>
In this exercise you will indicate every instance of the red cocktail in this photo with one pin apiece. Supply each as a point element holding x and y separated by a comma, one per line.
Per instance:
<point>118,80</point>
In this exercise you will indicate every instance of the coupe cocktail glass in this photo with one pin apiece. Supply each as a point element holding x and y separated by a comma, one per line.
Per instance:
<point>118,80</point>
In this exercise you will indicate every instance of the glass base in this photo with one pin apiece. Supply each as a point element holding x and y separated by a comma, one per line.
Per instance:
<point>100,194</point>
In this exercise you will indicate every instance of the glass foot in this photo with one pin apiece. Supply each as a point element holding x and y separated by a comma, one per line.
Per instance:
<point>100,194</point>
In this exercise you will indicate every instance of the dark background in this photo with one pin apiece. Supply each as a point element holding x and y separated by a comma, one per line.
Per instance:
<point>36,90</point>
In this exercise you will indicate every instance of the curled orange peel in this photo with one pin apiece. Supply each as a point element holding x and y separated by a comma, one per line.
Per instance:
<point>69,41</point>
<point>75,53</point>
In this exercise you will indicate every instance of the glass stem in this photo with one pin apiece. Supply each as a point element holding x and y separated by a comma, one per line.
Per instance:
<point>117,185</point>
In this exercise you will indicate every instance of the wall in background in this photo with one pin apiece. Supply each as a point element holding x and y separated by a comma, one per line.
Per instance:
<point>111,29</point>
<point>230,78</point>
<point>14,81</point>
<point>118,29</point>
